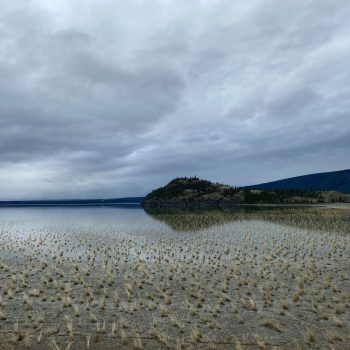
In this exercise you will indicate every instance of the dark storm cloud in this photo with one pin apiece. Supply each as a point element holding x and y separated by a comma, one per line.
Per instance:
<point>104,98</point>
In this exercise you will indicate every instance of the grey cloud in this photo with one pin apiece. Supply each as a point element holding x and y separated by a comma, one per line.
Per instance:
<point>113,99</point>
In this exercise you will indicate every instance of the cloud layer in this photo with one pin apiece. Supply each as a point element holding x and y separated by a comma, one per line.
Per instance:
<point>113,98</point>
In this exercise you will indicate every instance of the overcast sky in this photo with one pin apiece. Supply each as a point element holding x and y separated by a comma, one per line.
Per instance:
<point>109,98</point>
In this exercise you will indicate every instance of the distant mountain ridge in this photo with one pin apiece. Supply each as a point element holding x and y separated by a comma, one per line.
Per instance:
<point>74,202</point>
<point>328,181</point>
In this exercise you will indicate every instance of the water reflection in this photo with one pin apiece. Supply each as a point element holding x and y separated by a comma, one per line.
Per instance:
<point>301,217</point>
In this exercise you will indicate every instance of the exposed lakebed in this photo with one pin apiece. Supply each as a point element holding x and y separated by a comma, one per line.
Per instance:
<point>119,278</point>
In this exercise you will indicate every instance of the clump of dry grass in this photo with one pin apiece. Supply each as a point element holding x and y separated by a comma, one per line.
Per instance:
<point>196,335</point>
<point>69,327</point>
<point>123,322</point>
<point>269,323</point>
<point>337,322</point>
<point>3,316</point>
<point>124,338</point>
<point>310,336</point>
<point>114,330</point>
<point>164,311</point>
<point>137,342</point>
<point>260,342</point>
<point>93,317</point>
<point>88,341</point>
<point>18,334</point>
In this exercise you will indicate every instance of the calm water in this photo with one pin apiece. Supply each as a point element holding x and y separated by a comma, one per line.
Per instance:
<point>135,222</point>
<point>105,219</point>
<point>105,226</point>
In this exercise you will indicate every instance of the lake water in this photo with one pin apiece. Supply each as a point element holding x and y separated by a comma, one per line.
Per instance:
<point>109,224</point>
<point>135,221</point>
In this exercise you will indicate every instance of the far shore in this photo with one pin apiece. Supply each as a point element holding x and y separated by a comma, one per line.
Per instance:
<point>320,205</point>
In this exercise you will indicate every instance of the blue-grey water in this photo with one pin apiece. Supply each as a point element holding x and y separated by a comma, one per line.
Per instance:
<point>107,225</point>
<point>118,219</point>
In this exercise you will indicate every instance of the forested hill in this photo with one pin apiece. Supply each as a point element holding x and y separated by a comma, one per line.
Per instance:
<point>198,193</point>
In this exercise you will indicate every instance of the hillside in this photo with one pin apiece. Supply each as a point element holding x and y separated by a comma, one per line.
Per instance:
<point>197,193</point>
<point>192,191</point>
<point>338,181</point>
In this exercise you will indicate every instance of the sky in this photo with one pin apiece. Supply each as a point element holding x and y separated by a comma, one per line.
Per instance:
<point>113,98</point>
